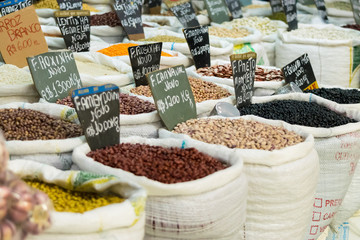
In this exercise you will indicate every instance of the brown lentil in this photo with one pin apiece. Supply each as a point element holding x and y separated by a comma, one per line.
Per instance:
<point>238,133</point>
<point>66,101</point>
<point>202,90</point>
<point>109,18</point>
<point>65,200</point>
<point>164,38</point>
<point>27,124</point>
<point>229,33</point>
<point>166,165</point>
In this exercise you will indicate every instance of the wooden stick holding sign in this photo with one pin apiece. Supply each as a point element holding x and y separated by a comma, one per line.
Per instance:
<point>98,109</point>
<point>54,74</point>
<point>70,4</point>
<point>199,45</point>
<point>172,95</point>
<point>11,6</point>
<point>243,67</point>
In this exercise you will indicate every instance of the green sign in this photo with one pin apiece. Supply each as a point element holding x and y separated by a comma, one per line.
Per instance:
<point>217,11</point>
<point>172,94</point>
<point>55,74</point>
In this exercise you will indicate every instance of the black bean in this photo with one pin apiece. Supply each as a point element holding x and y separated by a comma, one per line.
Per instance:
<point>342,96</point>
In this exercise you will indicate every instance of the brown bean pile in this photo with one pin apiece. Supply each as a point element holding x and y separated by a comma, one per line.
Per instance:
<point>225,71</point>
<point>109,18</point>
<point>66,101</point>
<point>131,105</point>
<point>238,133</point>
<point>166,165</point>
<point>26,124</point>
<point>202,90</point>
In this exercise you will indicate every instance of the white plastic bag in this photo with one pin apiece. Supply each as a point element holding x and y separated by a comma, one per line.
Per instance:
<point>56,151</point>
<point>338,159</point>
<point>282,184</point>
<point>94,224</point>
<point>212,207</point>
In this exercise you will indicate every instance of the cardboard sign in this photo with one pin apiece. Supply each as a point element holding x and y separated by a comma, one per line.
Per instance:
<point>173,96</point>
<point>186,15</point>
<point>129,14</point>
<point>75,29</point>
<point>291,14</point>
<point>55,74</point>
<point>2,62</point>
<point>276,6</point>
<point>155,6</point>
<point>10,6</point>
<point>320,5</point>
<point>98,109</point>
<point>70,4</point>
<point>243,67</point>
<point>21,36</point>
<point>144,59</point>
<point>199,44</point>
<point>234,8</point>
<point>217,11</point>
<point>301,73</point>
<point>355,4</point>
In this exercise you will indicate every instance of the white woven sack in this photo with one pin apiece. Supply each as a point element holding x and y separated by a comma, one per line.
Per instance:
<point>260,88</point>
<point>94,224</point>
<point>212,207</point>
<point>53,152</point>
<point>262,10</point>
<point>336,160</point>
<point>55,43</point>
<point>172,21</point>
<point>18,93</point>
<point>322,53</point>
<point>354,223</point>
<point>282,184</point>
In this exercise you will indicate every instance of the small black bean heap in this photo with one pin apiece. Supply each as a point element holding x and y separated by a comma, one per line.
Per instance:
<point>297,112</point>
<point>342,96</point>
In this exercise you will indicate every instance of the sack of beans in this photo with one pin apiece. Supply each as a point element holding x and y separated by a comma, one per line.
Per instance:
<point>281,165</point>
<point>267,79</point>
<point>199,194</point>
<point>206,94</point>
<point>268,29</point>
<point>257,8</point>
<point>324,44</point>
<point>337,134</point>
<point>41,132</point>
<point>177,42</point>
<point>16,85</point>
<point>86,205</point>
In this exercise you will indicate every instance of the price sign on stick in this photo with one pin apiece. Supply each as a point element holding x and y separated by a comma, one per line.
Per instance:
<point>21,36</point>
<point>11,6</point>
<point>291,14</point>
<point>144,59</point>
<point>235,8</point>
<point>98,109</point>
<point>129,13</point>
<point>243,67</point>
<point>217,11</point>
<point>70,4</point>
<point>75,29</point>
<point>199,44</point>
<point>320,5</point>
<point>54,74</point>
<point>276,6</point>
<point>185,13</point>
<point>172,94</point>
<point>301,73</point>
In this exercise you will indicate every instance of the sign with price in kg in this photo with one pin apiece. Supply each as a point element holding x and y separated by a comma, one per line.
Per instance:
<point>54,74</point>
<point>172,95</point>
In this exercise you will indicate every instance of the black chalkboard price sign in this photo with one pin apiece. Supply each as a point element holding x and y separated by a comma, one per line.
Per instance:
<point>129,13</point>
<point>98,109</point>
<point>144,59</point>
<point>75,29</point>
<point>217,11</point>
<point>243,67</point>
<point>235,8</point>
<point>10,6</point>
<point>355,4</point>
<point>289,7</point>
<point>185,13</point>
<point>172,94</point>
<point>54,74</point>
<point>276,6</point>
<point>301,73</point>
<point>199,45</point>
<point>155,6</point>
<point>70,4</point>
<point>320,5</point>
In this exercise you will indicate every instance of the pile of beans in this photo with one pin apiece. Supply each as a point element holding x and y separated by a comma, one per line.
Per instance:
<point>164,38</point>
<point>166,165</point>
<point>342,96</point>
<point>202,90</point>
<point>297,112</point>
<point>238,133</point>
<point>66,101</point>
<point>324,33</point>
<point>26,124</point>
<point>263,24</point>
<point>228,33</point>
<point>352,26</point>
<point>225,71</point>
<point>65,200</point>
<point>132,105</point>
<point>109,18</point>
